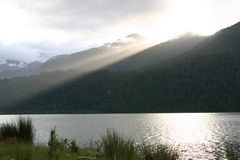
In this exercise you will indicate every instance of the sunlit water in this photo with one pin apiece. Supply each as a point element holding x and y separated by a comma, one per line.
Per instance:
<point>194,135</point>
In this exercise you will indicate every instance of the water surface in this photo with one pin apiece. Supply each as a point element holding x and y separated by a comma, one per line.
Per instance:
<point>194,135</point>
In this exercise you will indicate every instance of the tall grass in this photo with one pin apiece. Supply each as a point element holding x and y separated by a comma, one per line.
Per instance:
<point>22,131</point>
<point>25,130</point>
<point>54,146</point>
<point>157,152</point>
<point>117,147</point>
<point>73,146</point>
<point>8,131</point>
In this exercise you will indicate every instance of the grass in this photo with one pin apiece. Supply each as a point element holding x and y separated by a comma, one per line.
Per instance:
<point>8,131</point>
<point>22,131</point>
<point>22,151</point>
<point>112,146</point>
<point>25,130</point>
<point>117,147</point>
<point>55,150</point>
<point>157,152</point>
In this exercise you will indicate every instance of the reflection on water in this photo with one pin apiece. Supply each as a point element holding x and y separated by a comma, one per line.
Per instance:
<point>185,132</point>
<point>188,128</point>
<point>194,135</point>
<point>189,133</point>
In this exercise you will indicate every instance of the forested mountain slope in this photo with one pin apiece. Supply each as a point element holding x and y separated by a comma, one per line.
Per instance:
<point>203,79</point>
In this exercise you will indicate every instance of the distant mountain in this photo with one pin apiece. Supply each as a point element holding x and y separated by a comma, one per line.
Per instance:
<point>15,68</point>
<point>158,53</point>
<point>11,65</point>
<point>91,59</point>
<point>203,79</point>
<point>99,57</point>
<point>129,53</point>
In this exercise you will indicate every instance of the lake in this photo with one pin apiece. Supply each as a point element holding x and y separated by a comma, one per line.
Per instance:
<point>194,135</point>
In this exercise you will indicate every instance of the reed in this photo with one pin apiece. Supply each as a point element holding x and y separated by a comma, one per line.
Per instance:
<point>117,147</point>
<point>8,131</point>
<point>157,152</point>
<point>22,131</point>
<point>25,130</point>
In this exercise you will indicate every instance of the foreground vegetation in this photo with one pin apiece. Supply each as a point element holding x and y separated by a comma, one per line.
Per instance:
<point>17,143</point>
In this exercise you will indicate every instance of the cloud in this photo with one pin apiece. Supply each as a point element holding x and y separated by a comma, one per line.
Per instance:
<point>17,52</point>
<point>86,15</point>
<point>39,51</point>
<point>37,30</point>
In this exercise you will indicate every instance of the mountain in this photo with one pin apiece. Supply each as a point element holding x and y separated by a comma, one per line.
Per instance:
<point>15,68</point>
<point>158,53</point>
<point>11,65</point>
<point>129,53</point>
<point>44,81</point>
<point>203,79</point>
<point>91,59</point>
<point>99,57</point>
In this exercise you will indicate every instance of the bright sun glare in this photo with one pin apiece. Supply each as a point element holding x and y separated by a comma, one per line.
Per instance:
<point>181,16</point>
<point>184,16</point>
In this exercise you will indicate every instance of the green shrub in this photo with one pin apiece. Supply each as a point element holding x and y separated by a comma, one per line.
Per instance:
<point>157,152</point>
<point>116,147</point>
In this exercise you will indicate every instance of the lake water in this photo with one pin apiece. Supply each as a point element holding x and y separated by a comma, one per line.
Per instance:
<point>194,135</point>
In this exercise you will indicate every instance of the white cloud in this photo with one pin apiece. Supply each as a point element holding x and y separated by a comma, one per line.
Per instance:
<point>18,52</point>
<point>34,30</point>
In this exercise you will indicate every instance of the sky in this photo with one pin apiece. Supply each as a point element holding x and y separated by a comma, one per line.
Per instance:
<point>33,30</point>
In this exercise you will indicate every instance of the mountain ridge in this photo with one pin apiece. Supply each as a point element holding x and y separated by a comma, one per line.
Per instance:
<point>203,79</point>
<point>111,56</point>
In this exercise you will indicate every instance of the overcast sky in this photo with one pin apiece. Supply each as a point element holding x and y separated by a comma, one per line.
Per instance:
<point>38,29</point>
